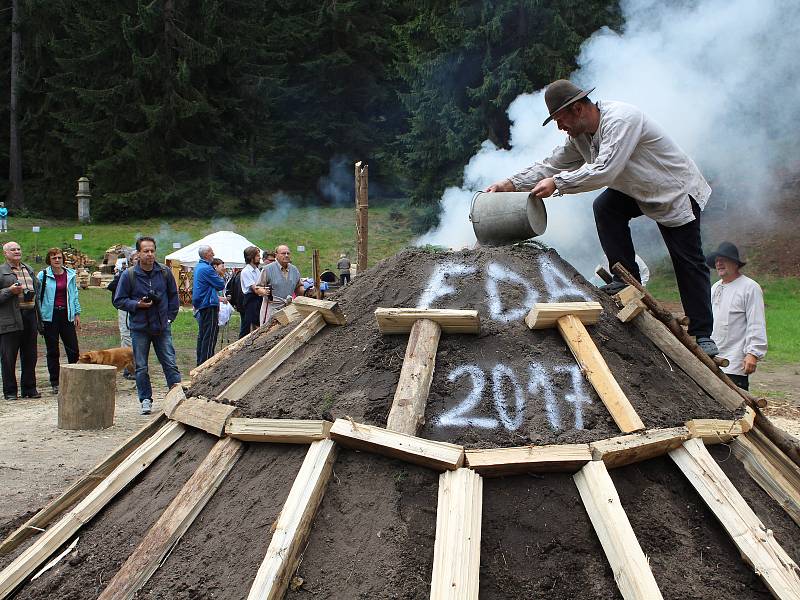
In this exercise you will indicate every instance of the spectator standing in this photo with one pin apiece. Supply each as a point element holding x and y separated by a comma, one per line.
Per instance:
<point>122,316</point>
<point>269,258</point>
<point>344,269</point>
<point>61,312</point>
<point>208,281</point>
<point>149,294</point>
<point>252,298</point>
<point>740,327</point>
<point>279,282</point>
<point>3,217</point>
<point>19,323</point>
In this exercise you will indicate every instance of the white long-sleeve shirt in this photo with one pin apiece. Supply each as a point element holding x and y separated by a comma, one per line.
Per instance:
<point>630,153</point>
<point>739,324</point>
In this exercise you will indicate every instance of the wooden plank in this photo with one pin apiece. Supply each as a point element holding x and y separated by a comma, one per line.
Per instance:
<point>174,521</point>
<point>263,367</point>
<point>663,338</point>
<point>287,431</point>
<point>628,562</point>
<point>755,542</point>
<point>174,397</point>
<point>439,456</point>
<point>411,396</point>
<point>714,431</point>
<point>36,554</point>
<point>545,315</point>
<point>629,294</point>
<point>776,456</point>
<point>599,375</point>
<point>288,314</point>
<point>769,476</point>
<point>78,490</point>
<point>400,320</point>
<point>227,351</point>
<point>330,310</point>
<point>628,449</point>
<point>630,311</point>
<point>748,419</point>
<point>205,414</point>
<point>495,462</point>
<point>457,550</point>
<point>294,523</point>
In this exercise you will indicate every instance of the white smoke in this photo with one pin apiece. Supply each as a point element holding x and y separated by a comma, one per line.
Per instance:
<point>719,75</point>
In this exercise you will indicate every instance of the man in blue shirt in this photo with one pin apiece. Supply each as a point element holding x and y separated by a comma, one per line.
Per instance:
<point>150,296</point>
<point>207,284</point>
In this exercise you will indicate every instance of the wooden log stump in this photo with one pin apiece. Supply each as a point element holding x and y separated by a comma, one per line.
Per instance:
<point>86,396</point>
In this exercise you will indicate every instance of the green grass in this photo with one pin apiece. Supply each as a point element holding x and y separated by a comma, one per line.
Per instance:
<point>330,230</point>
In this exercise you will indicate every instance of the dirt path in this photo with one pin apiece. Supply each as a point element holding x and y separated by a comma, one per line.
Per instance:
<point>780,384</point>
<point>38,460</point>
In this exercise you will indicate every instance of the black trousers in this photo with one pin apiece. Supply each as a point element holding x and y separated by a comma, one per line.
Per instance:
<point>742,381</point>
<point>344,278</point>
<point>208,330</point>
<point>61,327</point>
<point>23,343</point>
<point>251,315</point>
<point>613,211</point>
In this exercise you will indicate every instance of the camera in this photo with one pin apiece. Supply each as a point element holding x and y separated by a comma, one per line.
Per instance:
<point>152,296</point>
<point>28,296</point>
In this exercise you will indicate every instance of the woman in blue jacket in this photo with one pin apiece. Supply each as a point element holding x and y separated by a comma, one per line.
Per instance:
<point>61,311</point>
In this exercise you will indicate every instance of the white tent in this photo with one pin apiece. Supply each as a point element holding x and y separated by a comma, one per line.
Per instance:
<point>227,245</point>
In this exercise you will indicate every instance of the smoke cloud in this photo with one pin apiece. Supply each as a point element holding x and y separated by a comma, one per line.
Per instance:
<point>719,75</point>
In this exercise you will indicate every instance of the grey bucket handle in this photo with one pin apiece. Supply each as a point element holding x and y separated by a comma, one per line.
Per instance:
<point>472,207</point>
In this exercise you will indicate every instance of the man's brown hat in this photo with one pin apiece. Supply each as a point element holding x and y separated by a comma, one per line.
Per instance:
<point>560,94</point>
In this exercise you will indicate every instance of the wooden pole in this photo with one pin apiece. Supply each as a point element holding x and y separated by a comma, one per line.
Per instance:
<point>315,271</point>
<point>362,218</point>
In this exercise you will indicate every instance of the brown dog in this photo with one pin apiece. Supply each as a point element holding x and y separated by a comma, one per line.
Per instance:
<point>122,358</point>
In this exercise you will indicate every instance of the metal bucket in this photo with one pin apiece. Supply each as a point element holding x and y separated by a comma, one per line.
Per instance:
<point>500,218</point>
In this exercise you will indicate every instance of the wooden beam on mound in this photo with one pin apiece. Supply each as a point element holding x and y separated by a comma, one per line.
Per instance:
<point>263,367</point>
<point>630,311</point>
<point>205,414</point>
<point>227,351</point>
<point>628,562</point>
<point>174,521</point>
<point>439,456</point>
<point>496,462</point>
<point>714,431</point>
<point>174,397</point>
<point>637,447</point>
<point>294,523</point>
<point>400,320</point>
<point>662,337</point>
<point>780,479</point>
<point>78,490</point>
<point>545,315</point>
<point>629,294</point>
<point>755,542</point>
<point>286,431</point>
<point>594,367</point>
<point>330,310</point>
<point>55,537</point>
<point>288,314</point>
<point>457,550</point>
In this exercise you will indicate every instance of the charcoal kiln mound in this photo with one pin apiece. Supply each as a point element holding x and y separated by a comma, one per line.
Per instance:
<point>336,521</point>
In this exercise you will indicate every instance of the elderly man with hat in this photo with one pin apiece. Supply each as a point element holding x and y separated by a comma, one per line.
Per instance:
<point>616,146</point>
<point>740,329</point>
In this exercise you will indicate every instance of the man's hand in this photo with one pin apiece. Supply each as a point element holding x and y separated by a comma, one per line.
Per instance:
<point>144,304</point>
<point>77,321</point>
<point>545,188</point>
<point>16,288</point>
<point>501,186</point>
<point>749,364</point>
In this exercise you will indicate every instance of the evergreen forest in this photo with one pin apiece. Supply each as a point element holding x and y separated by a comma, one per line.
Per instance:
<point>208,107</point>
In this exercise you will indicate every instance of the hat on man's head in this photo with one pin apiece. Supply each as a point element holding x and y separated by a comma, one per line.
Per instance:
<point>560,94</point>
<point>725,250</point>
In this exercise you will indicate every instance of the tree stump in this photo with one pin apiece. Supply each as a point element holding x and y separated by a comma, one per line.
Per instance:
<point>86,395</point>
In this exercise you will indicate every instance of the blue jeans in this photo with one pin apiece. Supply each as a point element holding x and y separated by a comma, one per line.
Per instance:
<point>165,351</point>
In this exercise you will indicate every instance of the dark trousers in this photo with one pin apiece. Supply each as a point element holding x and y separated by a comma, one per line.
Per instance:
<point>208,330</point>
<point>344,278</point>
<point>61,327</point>
<point>250,314</point>
<point>23,343</point>
<point>742,381</point>
<point>613,211</point>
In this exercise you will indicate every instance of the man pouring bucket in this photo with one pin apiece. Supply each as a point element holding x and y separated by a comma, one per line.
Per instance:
<point>616,146</point>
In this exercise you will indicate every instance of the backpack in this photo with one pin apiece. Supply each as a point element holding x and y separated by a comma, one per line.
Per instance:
<point>233,290</point>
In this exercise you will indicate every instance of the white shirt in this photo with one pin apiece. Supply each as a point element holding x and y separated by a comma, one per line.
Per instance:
<point>739,324</point>
<point>250,275</point>
<point>630,153</point>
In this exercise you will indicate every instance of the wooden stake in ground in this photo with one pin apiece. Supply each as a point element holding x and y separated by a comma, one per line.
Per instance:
<point>408,408</point>
<point>86,396</point>
<point>569,318</point>
<point>362,213</point>
<point>315,272</point>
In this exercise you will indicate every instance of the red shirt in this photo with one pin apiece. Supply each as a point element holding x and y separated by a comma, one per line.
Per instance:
<point>61,290</point>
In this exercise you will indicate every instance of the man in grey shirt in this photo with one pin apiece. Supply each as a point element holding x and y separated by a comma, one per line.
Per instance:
<point>280,281</point>
<point>616,146</point>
